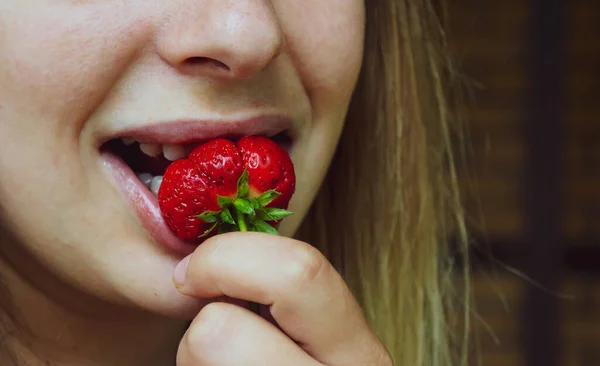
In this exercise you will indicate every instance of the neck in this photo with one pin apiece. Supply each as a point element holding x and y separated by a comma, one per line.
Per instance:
<point>35,330</point>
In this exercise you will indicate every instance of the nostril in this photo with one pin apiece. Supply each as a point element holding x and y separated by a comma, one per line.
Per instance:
<point>206,61</point>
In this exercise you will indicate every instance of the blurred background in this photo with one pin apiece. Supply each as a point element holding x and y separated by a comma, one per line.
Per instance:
<point>533,185</point>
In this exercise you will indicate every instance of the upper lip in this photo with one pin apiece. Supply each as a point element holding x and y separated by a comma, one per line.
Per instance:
<point>186,131</point>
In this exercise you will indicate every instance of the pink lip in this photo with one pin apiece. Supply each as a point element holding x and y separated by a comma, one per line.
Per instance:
<point>189,131</point>
<point>143,201</point>
<point>145,205</point>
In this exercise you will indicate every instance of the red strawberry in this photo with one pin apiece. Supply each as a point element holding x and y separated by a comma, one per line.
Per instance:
<point>223,186</point>
<point>269,168</point>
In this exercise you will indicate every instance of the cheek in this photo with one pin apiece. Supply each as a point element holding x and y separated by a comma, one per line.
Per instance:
<point>325,38</point>
<point>57,63</point>
<point>58,60</point>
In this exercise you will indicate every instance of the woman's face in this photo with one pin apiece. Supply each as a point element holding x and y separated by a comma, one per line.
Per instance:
<point>75,75</point>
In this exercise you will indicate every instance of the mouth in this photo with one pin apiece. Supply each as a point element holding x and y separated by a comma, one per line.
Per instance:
<point>138,158</point>
<point>149,161</point>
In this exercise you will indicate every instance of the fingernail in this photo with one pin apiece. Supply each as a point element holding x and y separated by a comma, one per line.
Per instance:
<point>181,270</point>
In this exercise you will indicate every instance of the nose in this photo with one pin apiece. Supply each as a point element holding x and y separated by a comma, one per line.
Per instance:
<point>230,39</point>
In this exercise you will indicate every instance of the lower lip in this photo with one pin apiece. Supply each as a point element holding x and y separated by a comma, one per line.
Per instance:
<point>145,205</point>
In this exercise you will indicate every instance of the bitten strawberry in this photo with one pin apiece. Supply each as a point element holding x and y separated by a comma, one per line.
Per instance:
<point>225,186</point>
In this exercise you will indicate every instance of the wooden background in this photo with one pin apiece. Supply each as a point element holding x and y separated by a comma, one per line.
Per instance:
<point>533,185</point>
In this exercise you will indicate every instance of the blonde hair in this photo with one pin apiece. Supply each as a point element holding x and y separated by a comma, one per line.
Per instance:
<point>390,202</point>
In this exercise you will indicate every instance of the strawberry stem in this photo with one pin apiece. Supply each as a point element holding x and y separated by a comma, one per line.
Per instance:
<point>241,221</point>
<point>247,210</point>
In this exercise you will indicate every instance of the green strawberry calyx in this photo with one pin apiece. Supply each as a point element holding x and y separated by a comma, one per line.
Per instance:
<point>244,213</point>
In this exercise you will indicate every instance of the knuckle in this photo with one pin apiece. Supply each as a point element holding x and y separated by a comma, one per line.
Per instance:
<point>305,266</point>
<point>207,329</point>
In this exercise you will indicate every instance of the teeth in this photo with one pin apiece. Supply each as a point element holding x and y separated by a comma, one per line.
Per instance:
<point>155,184</point>
<point>152,150</point>
<point>173,152</point>
<point>127,140</point>
<point>145,178</point>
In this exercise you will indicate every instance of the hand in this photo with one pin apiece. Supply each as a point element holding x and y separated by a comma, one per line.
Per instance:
<point>315,319</point>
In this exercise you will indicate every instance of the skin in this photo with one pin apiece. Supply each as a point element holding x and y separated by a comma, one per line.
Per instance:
<point>87,284</point>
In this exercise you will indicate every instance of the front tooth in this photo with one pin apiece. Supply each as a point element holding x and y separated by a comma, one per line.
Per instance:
<point>173,152</point>
<point>145,178</point>
<point>153,150</point>
<point>155,184</point>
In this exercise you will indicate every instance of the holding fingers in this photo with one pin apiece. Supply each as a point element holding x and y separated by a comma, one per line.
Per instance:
<point>306,297</point>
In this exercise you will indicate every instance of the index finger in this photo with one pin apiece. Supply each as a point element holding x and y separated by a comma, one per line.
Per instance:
<point>307,297</point>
